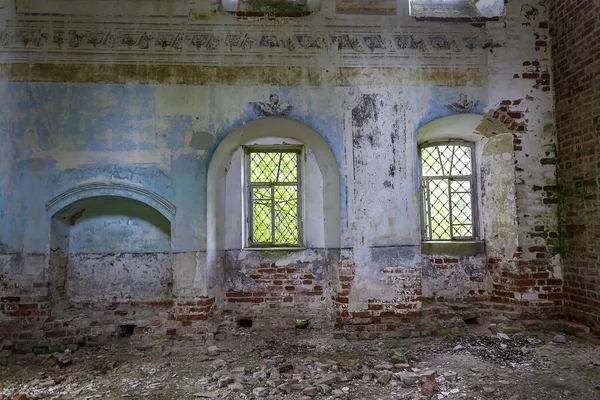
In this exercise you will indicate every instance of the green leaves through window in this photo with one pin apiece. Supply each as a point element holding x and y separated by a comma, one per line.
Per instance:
<point>448,182</point>
<point>274,198</point>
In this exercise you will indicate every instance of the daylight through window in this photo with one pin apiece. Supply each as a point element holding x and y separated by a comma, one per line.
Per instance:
<point>274,197</point>
<point>448,182</point>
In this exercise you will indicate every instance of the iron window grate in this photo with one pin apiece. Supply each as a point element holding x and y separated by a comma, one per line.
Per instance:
<point>448,191</point>
<point>274,197</point>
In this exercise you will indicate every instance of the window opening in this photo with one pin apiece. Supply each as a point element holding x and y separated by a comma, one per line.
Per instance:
<point>126,330</point>
<point>245,323</point>
<point>448,189</point>
<point>274,197</point>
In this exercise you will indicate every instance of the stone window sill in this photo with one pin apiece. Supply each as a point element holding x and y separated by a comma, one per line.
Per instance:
<point>255,14</point>
<point>274,249</point>
<point>456,248</point>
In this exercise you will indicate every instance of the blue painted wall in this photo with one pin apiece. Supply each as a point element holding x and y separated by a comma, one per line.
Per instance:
<point>54,136</point>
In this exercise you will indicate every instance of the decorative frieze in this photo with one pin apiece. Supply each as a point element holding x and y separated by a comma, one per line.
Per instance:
<point>210,45</point>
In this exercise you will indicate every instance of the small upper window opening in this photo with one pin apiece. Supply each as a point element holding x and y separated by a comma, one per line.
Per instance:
<point>457,9</point>
<point>274,197</point>
<point>271,7</point>
<point>448,191</point>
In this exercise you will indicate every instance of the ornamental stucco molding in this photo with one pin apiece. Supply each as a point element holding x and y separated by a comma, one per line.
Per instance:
<point>38,41</point>
<point>112,188</point>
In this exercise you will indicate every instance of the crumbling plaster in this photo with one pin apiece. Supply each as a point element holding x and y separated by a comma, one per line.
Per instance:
<point>168,117</point>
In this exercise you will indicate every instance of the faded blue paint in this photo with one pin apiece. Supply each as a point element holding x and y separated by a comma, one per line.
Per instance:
<point>40,122</point>
<point>437,107</point>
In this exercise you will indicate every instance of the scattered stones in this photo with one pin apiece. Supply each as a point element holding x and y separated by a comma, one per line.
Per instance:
<point>260,391</point>
<point>562,339</point>
<point>301,371</point>
<point>429,374</point>
<point>219,364</point>
<point>238,372</point>
<point>62,359</point>
<point>224,381</point>
<point>409,379</point>
<point>514,351</point>
<point>398,356</point>
<point>260,375</point>
<point>327,380</point>
<point>310,391</point>
<point>450,376</point>
<point>19,397</point>
<point>236,387</point>
<point>46,383</point>
<point>213,351</point>
<point>429,387</point>
<point>384,378</point>
<point>206,395</point>
<point>384,366</point>
<point>266,353</point>
<point>286,368</point>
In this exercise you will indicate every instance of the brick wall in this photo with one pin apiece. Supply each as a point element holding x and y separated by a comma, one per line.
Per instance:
<point>526,276</point>
<point>276,288</point>
<point>576,55</point>
<point>454,278</point>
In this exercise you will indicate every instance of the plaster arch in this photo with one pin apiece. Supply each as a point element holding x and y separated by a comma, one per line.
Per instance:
<point>107,246</point>
<point>111,189</point>
<point>284,128</point>
<point>494,156</point>
<point>216,185</point>
<point>459,126</point>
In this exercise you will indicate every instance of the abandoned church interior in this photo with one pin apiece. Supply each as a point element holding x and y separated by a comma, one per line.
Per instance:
<point>187,175</point>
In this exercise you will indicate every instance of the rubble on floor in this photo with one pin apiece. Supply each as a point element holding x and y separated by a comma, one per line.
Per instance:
<point>310,365</point>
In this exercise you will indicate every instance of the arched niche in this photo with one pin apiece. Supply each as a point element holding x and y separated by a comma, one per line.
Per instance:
<point>111,188</point>
<point>219,229</point>
<point>496,192</point>
<point>496,173</point>
<point>107,248</point>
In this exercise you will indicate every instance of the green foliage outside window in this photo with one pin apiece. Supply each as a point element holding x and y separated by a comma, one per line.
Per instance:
<point>274,191</point>
<point>447,191</point>
<point>275,6</point>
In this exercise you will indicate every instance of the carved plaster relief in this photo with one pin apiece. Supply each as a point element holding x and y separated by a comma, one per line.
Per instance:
<point>210,45</point>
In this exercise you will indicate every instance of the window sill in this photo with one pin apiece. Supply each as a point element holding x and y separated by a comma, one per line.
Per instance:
<point>254,14</point>
<point>271,249</point>
<point>456,248</point>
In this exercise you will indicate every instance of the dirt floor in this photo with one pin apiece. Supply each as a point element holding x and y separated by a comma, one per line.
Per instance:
<point>310,365</point>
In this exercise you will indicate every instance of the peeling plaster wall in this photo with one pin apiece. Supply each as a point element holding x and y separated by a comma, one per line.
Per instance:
<point>149,109</point>
<point>521,98</point>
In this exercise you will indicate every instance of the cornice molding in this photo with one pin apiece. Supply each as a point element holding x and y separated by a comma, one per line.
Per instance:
<point>230,44</point>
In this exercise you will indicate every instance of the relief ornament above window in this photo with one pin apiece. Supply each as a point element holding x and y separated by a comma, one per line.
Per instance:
<point>272,108</point>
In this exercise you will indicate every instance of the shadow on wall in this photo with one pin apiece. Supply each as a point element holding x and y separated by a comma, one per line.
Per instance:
<point>109,248</point>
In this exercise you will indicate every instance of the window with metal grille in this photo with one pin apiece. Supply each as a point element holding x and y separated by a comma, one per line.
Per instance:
<point>274,196</point>
<point>448,189</point>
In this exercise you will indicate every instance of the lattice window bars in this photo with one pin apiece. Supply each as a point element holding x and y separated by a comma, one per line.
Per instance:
<point>448,191</point>
<point>274,196</point>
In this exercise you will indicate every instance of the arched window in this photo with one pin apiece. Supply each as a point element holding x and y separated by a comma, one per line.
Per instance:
<point>467,181</point>
<point>276,7</point>
<point>272,184</point>
<point>273,196</point>
<point>449,190</point>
